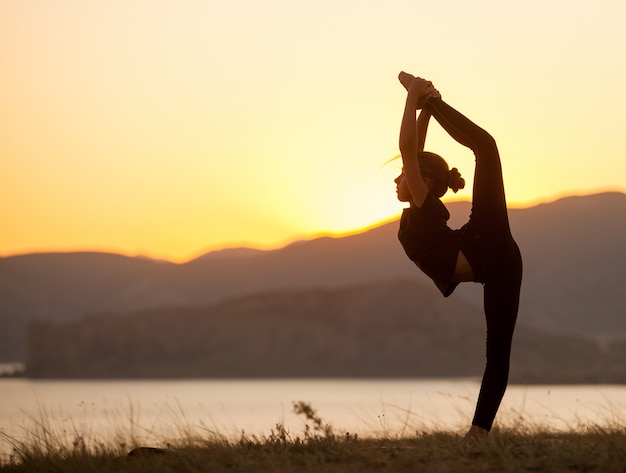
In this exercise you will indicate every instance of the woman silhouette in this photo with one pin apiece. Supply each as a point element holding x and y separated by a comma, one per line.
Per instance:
<point>483,250</point>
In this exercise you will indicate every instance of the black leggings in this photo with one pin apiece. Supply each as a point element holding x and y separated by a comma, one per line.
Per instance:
<point>491,252</point>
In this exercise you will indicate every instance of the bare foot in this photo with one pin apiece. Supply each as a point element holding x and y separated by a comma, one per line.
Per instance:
<point>476,433</point>
<point>406,79</point>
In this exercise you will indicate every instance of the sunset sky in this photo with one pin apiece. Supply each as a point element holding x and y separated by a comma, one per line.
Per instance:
<point>170,128</point>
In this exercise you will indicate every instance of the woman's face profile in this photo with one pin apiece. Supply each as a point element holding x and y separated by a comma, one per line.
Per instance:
<point>402,188</point>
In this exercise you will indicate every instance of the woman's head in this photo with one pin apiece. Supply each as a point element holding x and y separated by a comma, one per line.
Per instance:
<point>437,175</point>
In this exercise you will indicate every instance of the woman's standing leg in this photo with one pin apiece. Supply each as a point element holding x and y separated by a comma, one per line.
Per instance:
<point>501,301</point>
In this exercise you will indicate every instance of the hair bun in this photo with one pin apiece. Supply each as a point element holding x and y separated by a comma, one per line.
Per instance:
<point>455,181</point>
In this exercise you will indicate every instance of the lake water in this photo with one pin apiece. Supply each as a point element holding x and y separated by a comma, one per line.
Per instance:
<point>147,412</point>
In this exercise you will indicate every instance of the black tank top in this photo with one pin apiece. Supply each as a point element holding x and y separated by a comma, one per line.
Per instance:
<point>430,243</point>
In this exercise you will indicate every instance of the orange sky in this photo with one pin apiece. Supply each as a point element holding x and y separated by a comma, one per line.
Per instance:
<point>171,128</point>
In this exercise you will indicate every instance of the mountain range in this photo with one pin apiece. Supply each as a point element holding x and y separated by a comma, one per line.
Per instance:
<point>573,251</point>
<point>392,329</point>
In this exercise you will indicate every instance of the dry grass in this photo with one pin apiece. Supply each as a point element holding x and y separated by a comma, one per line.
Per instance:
<point>319,448</point>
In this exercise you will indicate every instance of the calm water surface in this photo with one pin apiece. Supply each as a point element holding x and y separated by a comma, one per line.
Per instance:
<point>146,411</point>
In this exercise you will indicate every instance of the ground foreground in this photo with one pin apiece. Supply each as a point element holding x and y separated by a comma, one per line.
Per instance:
<point>504,451</point>
<point>319,448</point>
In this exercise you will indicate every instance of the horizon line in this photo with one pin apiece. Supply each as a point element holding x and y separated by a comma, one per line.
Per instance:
<point>248,245</point>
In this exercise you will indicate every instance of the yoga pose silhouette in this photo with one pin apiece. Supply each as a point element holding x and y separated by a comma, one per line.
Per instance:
<point>483,250</point>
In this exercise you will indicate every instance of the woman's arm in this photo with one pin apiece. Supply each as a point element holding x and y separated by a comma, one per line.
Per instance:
<point>422,128</point>
<point>412,136</point>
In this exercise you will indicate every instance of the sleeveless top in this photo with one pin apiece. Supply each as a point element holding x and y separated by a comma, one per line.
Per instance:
<point>430,243</point>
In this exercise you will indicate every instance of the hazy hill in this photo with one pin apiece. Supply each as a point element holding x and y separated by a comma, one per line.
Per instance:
<point>397,328</point>
<point>573,252</point>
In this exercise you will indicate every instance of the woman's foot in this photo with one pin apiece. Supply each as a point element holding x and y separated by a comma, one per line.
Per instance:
<point>406,79</point>
<point>476,433</point>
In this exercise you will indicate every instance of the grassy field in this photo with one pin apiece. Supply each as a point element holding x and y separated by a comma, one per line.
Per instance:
<point>319,448</point>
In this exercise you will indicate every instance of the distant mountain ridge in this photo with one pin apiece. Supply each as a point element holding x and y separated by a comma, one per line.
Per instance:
<point>397,328</point>
<point>573,253</point>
